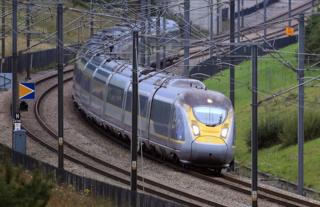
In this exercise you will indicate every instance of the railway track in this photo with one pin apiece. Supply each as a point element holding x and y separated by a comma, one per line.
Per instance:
<point>80,157</point>
<point>246,32</point>
<point>74,154</point>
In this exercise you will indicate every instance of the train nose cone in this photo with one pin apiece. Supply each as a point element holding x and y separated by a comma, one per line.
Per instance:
<point>209,154</point>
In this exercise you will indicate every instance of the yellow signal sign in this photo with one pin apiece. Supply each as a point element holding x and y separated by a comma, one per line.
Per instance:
<point>289,31</point>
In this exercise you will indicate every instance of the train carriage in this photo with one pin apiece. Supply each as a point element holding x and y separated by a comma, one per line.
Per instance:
<point>178,117</point>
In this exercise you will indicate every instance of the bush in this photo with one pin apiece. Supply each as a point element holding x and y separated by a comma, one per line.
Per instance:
<point>274,129</point>
<point>313,38</point>
<point>269,130</point>
<point>18,188</point>
<point>311,128</point>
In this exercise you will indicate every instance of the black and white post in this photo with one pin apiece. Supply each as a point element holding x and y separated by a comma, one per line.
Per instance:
<point>254,126</point>
<point>60,67</point>
<point>300,73</point>
<point>232,74</point>
<point>134,137</point>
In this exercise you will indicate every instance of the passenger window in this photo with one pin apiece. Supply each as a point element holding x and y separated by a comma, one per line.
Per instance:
<point>85,81</point>
<point>177,126</point>
<point>160,115</point>
<point>91,67</point>
<point>143,101</point>
<point>115,96</point>
<point>98,88</point>
<point>129,101</point>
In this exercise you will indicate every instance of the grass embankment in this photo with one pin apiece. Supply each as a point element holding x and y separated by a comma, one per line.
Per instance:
<point>279,159</point>
<point>76,26</point>
<point>66,196</point>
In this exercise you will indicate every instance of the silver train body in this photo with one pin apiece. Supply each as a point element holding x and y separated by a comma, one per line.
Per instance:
<point>178,117</point>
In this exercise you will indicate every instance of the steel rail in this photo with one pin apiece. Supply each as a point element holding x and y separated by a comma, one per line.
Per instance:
<point>195,200</point>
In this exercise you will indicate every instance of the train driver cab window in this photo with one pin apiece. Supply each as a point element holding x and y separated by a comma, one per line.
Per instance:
<point>115,95</point>
<point>160,115</point>
<point>210,116</point>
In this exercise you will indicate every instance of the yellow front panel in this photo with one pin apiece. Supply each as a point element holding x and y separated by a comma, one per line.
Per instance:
<point>210,135</point>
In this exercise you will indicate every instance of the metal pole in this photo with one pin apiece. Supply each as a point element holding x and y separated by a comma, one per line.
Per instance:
<point>289,13</point>
<point>28,38</point>
<point>265,20</point>
<point>164,22</point>
<point>134,139</point>
<point>126,6</point>
<point>187,30</point>
<point>158,64</point>
<point>60,60</point>
<point>254,125</point>
<point>91,19</point>
<point>149,31</point>
<point>211,27</point>
<point>301,104</point>
<point>313,4</point>
<point>218,17</point>
<point>232,75</point>
<point>15,89</point>
<point>3,33</point>
<point>143,28</point>
<point>238,21</point>
<point>242,18</point>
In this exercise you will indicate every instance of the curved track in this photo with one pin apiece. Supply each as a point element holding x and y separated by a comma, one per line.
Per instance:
<point>249,34</point>
<point>79,156</point>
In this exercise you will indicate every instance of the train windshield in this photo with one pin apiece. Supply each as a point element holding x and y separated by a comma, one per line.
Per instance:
<point>210,116</point>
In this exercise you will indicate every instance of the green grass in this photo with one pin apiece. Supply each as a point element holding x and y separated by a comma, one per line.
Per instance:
<point>272,77</point>
<point>45,23</point>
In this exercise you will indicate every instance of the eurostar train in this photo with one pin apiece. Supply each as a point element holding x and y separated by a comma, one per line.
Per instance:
<point>178,117</point>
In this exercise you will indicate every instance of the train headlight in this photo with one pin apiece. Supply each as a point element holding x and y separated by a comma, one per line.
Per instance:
<point>224,132</point>
<point>195,130</point>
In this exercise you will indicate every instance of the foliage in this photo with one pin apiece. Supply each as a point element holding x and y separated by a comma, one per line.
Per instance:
<point>288,135</point>
<point>313,37</point>
<point>273,77</point>
<point>18,188</point>
<point>80,3</point>
<point>269,130</point>
<point>276,129</point>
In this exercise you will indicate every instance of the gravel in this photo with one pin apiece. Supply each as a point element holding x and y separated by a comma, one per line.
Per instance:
<point>79,133</point>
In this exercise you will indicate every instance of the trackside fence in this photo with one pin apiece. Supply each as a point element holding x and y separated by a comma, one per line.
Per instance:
<point>38,59</point>
<point>117,196</point>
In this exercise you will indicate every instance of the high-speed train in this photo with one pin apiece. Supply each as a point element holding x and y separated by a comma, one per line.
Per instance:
<point>178,117</point>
